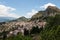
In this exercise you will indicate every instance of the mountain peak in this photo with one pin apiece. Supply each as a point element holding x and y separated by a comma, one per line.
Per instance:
<point>53,8</point>
<point>50,11</point>
<point>21,17</point>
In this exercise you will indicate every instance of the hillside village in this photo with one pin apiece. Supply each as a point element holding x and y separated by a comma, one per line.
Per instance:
<point>16,27</point>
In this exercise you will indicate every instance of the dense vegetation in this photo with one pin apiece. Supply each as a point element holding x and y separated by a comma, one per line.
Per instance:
<point>19,37</point>
<point>52,30</point>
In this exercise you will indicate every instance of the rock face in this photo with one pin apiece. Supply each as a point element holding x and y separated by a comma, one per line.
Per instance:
<point>50,11</point>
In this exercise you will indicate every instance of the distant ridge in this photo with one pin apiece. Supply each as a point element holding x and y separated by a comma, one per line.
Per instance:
<point>5,19</point>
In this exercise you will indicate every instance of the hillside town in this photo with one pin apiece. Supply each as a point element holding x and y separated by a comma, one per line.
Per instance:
<point>18,27</point>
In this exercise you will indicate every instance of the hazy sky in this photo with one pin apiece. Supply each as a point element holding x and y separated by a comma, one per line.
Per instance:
<point>27,8</point>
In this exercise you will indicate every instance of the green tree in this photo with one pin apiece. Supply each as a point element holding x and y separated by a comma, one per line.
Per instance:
<point>26,32</point>
<point>34,30</point>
